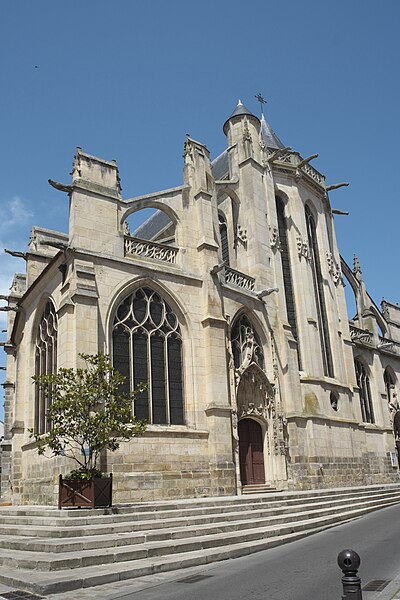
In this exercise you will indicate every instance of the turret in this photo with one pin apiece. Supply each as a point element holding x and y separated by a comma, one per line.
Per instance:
<point>243,130</point>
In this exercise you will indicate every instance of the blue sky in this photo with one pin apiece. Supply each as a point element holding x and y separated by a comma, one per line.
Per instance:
<point>126,80</point>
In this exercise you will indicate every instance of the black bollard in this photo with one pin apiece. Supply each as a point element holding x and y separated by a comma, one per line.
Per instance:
<point>349,561</point>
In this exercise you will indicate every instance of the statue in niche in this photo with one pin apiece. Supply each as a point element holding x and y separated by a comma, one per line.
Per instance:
<point>246,345</point>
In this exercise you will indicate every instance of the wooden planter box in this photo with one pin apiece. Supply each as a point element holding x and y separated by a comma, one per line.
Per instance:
<point>95,493</point>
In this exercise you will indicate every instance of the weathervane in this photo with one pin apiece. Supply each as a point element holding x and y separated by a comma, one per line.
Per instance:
<point>261,100</point>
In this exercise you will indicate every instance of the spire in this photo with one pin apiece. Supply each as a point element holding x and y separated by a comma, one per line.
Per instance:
<point>269,137</point>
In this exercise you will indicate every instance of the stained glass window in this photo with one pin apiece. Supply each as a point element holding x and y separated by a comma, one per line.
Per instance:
<point>367,411</point>
<point>286,271</point>
<point>45,363</point>
<point>147,348</point>
<point>223,232</point>
<point>319,294</point>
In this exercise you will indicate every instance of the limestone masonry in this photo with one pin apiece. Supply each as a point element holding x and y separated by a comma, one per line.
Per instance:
<point>229,301</point>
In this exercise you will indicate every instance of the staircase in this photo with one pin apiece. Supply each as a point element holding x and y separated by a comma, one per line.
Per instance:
<point>44,550</point>
<point>257,488</point>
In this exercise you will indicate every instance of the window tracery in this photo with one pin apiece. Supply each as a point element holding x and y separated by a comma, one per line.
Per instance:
<point>286,271</point>
<point>223,232</point>
<point>147,347</point>
<point>363,383</point>
<point>390,388</point>
<point>319,294</point>
<point>45,364</point>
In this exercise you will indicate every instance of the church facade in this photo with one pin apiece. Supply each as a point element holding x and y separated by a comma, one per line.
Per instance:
<point>229,302</point>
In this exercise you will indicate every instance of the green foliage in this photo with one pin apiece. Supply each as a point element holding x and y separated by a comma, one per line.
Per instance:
<point>88,413</point>
<point>81,474</point>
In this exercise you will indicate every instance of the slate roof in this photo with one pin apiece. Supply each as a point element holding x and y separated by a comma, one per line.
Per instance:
<point>152,226</point>
<point>238,112</point>
<point>220,165</point>
<point>269,136</point>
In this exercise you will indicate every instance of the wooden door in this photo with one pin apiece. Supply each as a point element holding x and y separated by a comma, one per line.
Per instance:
<point>251,454</point>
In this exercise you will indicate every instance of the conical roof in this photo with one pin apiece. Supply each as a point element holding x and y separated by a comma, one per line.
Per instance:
<point>220,164</point>
<point>269,137</point>
<point>239,111</point>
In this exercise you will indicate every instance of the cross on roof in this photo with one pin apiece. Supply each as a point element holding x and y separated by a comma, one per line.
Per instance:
<point>261,100</point>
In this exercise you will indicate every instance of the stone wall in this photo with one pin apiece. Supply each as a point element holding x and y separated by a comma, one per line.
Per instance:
<point>153,467</point>
<point>327,471</point>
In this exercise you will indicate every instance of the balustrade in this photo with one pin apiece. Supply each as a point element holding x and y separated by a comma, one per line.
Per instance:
<point>294,159</point>
<point>239,279</point>
<point>388,345</point>
<point>137,247</point>
<point>360,335</point>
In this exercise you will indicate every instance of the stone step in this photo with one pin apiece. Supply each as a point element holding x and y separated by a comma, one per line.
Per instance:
<point>44,513</point>
<point>258,489</point>
<point>174,531</point>
<point>262,510</point>
<point>45,583</point>
<point>46,550</point>
<point>148,511</point>
<point>148,546</point>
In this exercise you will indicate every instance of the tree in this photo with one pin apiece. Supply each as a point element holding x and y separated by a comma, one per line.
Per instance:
<point>87,413</point>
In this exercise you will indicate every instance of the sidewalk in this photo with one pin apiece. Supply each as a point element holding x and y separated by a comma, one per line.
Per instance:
<point>125,590</point>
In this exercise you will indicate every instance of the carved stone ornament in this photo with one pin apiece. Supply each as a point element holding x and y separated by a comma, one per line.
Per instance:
<point>143,248</point>
<point>239,279</point>
<point>333,269</point>
<point>385,310</point>
<point>119,186</point>
<point>275,241</point>
<point>246,346</point>
<point>187,149</point>
<point>33,241</point>
<point>126,228</point>
<point>246,134</point>
<point>241,234</point>
<point>303,248</point>
<point>76,165</point>
<point>255,394</point>
<point>264,154</point>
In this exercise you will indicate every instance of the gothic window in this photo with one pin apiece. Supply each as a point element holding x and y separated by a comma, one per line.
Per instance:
<point>367,411</point>
<point>319,294</point>
<point>223,232</point>
<point>286,270</point>
<point>45,363</point>
<point>246,345</point>
<point>390,388</point>
<point>147,347</point>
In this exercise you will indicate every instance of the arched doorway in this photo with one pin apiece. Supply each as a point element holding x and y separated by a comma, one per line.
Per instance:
<point>251,452</point>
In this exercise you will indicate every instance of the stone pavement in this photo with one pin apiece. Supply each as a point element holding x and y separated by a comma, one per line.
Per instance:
<point>123,589</point>
<point>111,591</point>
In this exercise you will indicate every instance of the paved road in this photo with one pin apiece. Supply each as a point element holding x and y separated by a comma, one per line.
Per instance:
<point>302,570</point>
